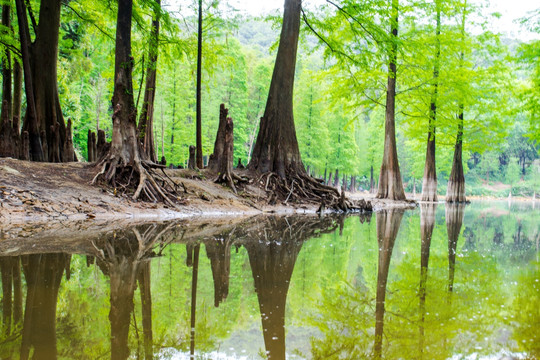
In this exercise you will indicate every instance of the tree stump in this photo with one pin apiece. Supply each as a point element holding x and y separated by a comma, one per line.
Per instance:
<point>102,147</point>
<point>90,147</point>
<point>163,161</point>
<point>191,162</point>
<point>69,153</point>
<point>225,167</point>
<point>240,165</point>
<point>217,157</point>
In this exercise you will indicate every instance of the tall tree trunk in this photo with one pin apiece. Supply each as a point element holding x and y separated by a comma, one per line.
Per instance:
<point>44,60</point>
<point>276,147</point>
<point>6,68</point>
<point>31,122</point>
<point>388,223</point>
<point>429,185</point>
<point>199,80</point>
<point>455,191</point>
<point>390,183</point>
<point>146,120</point>
<point>17,96</point>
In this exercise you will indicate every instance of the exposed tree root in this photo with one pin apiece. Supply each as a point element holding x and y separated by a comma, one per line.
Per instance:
<point>301,188</point>
<point>230,178</point>
<point>141,178</point>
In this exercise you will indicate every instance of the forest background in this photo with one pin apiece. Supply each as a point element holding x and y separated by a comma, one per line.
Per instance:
<point>339,87</point>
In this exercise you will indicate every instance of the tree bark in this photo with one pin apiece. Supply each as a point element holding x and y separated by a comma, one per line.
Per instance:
<point>31,122</point>
<point>217,158</point>
<point>17,95</point>
<point>6,68</point>
<point>429,184</point>
<point>455,191</point>
<point>390,183</point>
<point>146,120</point>
<point>225,172</point>
<point>199,80</point>
<point>276,148</point>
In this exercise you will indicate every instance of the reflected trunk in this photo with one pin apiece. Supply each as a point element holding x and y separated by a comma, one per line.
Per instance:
<point>219,253</point>
<point>427,223</point>
<point>388,223</point>
<point>43,274</point>
<point>194,278</point>
<point>146,304</point>
<point>454,221</point>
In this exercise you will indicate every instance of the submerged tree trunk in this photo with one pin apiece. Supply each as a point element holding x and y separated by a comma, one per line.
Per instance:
<point>390,183</point>
<point>276,148</point>
<point>146,121</point>
<point>429,184</point>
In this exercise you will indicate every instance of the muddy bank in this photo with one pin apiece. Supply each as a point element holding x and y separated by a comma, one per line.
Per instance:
<point>35,192</point>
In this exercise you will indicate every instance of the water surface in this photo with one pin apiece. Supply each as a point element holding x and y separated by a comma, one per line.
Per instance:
<point>440,282</point>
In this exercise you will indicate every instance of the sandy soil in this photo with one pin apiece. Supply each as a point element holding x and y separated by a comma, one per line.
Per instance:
<point>32,191</point>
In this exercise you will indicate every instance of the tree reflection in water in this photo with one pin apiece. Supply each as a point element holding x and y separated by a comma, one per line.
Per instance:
<point>454,220</point>
<point>388,223</point>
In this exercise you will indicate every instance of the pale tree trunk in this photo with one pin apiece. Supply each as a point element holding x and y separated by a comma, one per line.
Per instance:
<point>146,120</point>
<point>390,183</point>
<point>429,184</point>
<point>276,148</point>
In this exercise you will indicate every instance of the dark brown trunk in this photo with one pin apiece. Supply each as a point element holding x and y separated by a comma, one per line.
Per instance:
<point>276,148</point>
<point>199,80</point>
<point>90,147</point>
<point>390,183</point>
<point>24,152</point>
<point>388,223</point>
<point>192,162</point>
<point>6,68</point>
<point>44,59</point>
<point>336,178</point>
<point>225,172</point>
<point>371,181</point>
<point>429,184</point>
<point>329,179</point>
<point>31,122</point>
<point>217,158</point>
<point>146,120</point>
<point>17,95</point>
<point>69,153</point>
<point>6,268</point>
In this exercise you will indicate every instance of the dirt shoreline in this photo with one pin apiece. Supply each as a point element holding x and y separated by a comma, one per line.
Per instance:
<point>40,192</point>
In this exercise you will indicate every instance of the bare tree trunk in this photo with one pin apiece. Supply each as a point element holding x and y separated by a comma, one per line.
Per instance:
<point>429,184</point>
<point>17,95</point>
<point>192,162</point>
<point>6,68</point>
<point>455,191</point>
<point>146,120</point>
<point>390,183</point>
<point>199,80</point>
<point>217,157</point>
<point>276,148</point>
<point>225,170</point>
<point>31,122</point>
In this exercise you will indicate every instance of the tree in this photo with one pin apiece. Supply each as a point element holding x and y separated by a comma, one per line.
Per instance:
<point>146,121</point>
<point>390,185</point>
<point>429,186</point>
<point>276,148</point>
<point>124,157</point>
<point>199,75</point>
<point>40,58</point>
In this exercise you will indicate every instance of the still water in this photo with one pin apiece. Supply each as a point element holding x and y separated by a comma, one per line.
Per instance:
<point>439,282</point>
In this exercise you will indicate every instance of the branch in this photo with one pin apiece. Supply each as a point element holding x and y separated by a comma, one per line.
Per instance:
<point>89,21</point>
<point>32,17</point>
<point>354,19</point>
<point>11,47</point>
<point>304,17</point>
